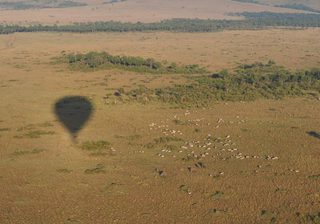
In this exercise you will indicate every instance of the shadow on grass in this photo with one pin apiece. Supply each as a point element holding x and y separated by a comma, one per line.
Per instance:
<point>314,134</point>
<point>73,112</point>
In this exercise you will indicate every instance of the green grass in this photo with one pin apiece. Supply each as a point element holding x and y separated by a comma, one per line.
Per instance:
<point>314,177</point>
<point>28,152</point>
<point>37,133</point>
<point>97,148</point>
<point>167,139</point>
<point>184,188</point>
<point>181,122</point>
<point>217,195</point>
<point>45,124</point>
<point>64,170</point>
<point>164,141</point>
<point>33,126</point>
<point>95,145</point>
<point>99,168</point>
<point>129,138</point>
<point>26,128</point>
<point>310,218</point>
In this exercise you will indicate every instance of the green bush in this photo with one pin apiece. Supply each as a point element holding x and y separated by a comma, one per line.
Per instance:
<point>95,145</point>
<point>248,82</point>
<point>98,60</point>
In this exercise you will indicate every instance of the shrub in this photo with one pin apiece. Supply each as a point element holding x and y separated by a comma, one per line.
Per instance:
<point>97,60</point>
<point>249,82</point>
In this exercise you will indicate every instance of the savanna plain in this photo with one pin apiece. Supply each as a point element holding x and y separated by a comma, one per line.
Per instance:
<point>149,161</point>
<point>157,147</point>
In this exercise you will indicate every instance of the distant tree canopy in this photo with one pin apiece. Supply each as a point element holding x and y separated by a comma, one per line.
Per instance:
<point>252,21</point>
<point>35,4</point>
<point>100,60</point>
<point>298,7</point>
<point>248,82</point>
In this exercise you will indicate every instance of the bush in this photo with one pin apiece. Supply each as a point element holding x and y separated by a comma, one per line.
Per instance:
<point>98,60</point>
<point>249,82</point>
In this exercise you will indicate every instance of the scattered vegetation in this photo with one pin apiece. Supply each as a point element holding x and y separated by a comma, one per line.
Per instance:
<point>269,216</point>
<point>167,139</point>
<point>310,218</point>
<point>97,148</point>
<point>95,145</point>
<point>26,128</point>
<point>98,60</point>
<point>45,124</point>
<point>38,133</point>
<point>99,168</point>
<point>34,4</point>
<point>217,194</point>
<point>164,141</point>
<point>252,20</point>
<point>32,132</point>
<point>298,7</point>
<point>184,188</point>
<point>314,177</point>
<point>248,1</point>
<point>265,19</point>
<point>200,165</point>
<point>113,1</point>
<point>28,152</point>
<point>182,122</point>
<point>248,82</point>
<point>34,126</point>
<point>64,170</point>
<point>129,138</point>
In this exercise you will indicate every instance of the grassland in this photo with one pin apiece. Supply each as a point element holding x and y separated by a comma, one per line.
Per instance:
<point>135,11</point>
<point>293,49</point>
<point>227,162</point>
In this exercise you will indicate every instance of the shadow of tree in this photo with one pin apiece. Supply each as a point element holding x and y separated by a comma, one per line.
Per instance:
<point>314,134</point>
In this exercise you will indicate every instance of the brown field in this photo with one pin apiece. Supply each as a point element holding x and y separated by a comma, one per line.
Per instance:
<point>263,169</point>
<point>295,49</point>
<point>135,10</point>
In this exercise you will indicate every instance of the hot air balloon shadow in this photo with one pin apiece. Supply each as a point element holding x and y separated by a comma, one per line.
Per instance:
<point>73,112</point>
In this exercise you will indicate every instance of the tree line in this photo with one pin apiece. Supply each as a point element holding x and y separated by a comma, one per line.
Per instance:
<point>252,21</point>
<point>248,82</point>
<point>103,60</point>
<point>20,5</point>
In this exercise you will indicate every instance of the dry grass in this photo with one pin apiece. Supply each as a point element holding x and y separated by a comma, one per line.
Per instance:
<point>261,155</point>
<point>135,10</point>
<point>292,48</point>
